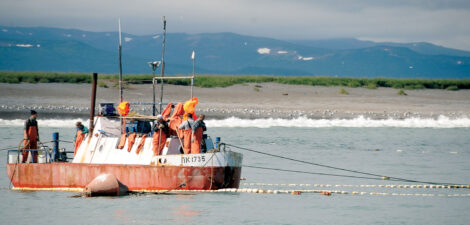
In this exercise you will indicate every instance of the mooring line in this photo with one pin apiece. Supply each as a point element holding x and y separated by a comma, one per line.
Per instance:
<point>314,173</point>
<point>382,177</point>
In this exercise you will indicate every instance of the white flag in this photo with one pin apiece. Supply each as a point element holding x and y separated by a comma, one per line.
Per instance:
<point>192,55</point>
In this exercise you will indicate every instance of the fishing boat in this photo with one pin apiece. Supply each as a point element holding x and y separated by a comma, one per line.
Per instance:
<point>141,170</point>
<point>104,151</point>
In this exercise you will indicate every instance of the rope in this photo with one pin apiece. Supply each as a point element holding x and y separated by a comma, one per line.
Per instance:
<point>17,161</point>
<point>20,150</point>
<point>313,173</point>
<point>94,149</point>
<point>382,177</point>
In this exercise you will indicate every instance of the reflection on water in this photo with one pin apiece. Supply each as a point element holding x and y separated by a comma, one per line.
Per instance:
<point>184,213</point>
<point>121,215</point>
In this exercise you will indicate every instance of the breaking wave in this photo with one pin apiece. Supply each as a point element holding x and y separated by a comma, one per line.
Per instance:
<point>43,122</point>
<point>301,122</point>
<point>440,122</point>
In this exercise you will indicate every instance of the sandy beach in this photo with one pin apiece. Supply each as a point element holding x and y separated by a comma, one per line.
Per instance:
<point>266,100</point>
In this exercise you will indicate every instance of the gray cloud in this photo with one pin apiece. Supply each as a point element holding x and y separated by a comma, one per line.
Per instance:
<point>441,22</point>
<point>349,5</point>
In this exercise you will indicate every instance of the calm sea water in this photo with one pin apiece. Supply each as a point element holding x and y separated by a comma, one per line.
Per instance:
<point>428,154</point>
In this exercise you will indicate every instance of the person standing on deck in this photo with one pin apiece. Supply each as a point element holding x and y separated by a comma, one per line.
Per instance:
<point>160,133</point>
<point>187,126</point>
<point>31,137</point>
<point>196,137</point>
<point>79,136</point>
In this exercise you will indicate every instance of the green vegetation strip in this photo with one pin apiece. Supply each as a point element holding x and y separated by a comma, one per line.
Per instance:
<point>210,81</point>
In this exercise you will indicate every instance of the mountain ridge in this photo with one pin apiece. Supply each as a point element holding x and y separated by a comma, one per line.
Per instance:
<point>73,50</point>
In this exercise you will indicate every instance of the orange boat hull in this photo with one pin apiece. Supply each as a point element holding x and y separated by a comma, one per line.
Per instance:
<point>75,176</point>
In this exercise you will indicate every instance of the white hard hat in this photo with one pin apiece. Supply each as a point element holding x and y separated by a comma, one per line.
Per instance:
<point>159,117</point>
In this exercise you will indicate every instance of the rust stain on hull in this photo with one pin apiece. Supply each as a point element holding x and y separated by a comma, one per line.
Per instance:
<point>75,176</point>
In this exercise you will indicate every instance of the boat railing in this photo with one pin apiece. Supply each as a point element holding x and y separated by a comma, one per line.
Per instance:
<point>171,77</point>
<point>45,155</point>
<point>16,156</point>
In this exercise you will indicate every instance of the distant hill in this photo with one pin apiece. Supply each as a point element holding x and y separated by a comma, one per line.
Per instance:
<point>71,50</point>
<point>352,43</point>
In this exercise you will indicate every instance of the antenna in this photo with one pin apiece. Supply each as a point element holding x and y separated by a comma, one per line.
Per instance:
<point>163,62</point>
<point>193,57</point>
<point>119,22</point>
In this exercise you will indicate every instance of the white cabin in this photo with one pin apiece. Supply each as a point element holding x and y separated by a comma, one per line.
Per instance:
<point>100,147</point>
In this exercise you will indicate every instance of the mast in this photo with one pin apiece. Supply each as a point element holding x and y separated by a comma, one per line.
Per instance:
<point>93,101</point>
<point>163,62</point>
<point>120,68</point>
<point>154,65</point>
<point>153,85</point>
<point>120,62</point>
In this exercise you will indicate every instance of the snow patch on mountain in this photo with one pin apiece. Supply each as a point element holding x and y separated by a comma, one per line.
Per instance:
<point>264,51</point>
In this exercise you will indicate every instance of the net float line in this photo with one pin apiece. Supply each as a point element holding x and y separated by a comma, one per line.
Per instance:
<point>403,186</point>
<point>319,191</point>
<point>48,189</point>
<point>266,191</point>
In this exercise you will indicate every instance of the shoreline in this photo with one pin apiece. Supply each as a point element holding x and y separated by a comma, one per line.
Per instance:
<point>219,114</point>
<point>247,101</point>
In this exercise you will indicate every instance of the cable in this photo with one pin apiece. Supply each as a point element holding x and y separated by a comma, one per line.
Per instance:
<point>382,177</point>
<point>307,172</point>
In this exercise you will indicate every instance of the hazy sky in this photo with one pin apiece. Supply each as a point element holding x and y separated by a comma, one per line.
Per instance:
<point>437,21</point>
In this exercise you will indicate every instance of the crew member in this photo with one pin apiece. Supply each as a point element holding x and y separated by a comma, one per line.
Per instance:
<point>79,136</point>
<point>196,138</point>
<point>31,137</point>
<point>186,126</point>
<point>160,133</point>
